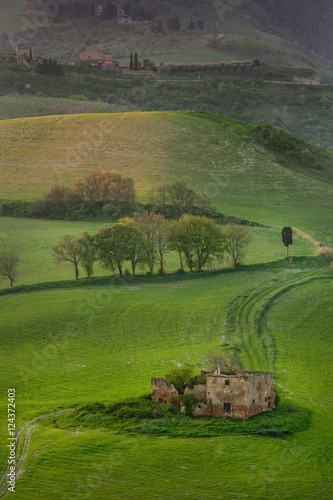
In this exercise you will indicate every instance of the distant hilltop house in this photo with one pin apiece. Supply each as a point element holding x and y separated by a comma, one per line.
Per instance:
<point>122,18</point>
<point>311,80</point>
<point>98,58</point>
<point>239,395</point>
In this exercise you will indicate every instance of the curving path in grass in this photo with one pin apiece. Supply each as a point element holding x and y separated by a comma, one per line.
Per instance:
<point>22,441</point>
<point>245,319</point>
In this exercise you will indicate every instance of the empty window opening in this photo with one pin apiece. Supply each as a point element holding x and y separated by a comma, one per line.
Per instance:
<point>226,407</point>
<point>266,399</point>
<point>253,401</point>
<point>226,382</point>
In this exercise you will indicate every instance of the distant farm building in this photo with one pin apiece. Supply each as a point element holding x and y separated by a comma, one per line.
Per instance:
<point>239,395</point>
<point>311,80</point>
<point>97,57</point>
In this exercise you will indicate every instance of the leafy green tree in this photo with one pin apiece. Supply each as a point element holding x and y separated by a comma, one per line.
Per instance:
<point>287,237</point>
<point>88,253</point>
<point>134,240</point>
<point>109,11</point>
<point>175,241</point>
<point>151,226</point>
<point>68,250</point>
<point>199,239</point>
<point>174,23</point>
<point>111,247</point>
<point>188,401</point>
<point>162,238</point>
<point>237,239</point>
<point>8,263</point>
<point>180,377</point>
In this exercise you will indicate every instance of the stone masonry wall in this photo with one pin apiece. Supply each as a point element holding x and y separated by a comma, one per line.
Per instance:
<point>161,390</point>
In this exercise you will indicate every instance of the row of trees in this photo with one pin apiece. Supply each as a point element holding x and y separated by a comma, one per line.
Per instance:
<point>180,199</point>
<point>110,192</point>
<point>234,66</point>
<point>100,189</point>
<point>144,240</point>
<point>49,67</point>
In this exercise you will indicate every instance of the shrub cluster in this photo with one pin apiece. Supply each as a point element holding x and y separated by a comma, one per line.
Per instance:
<point>131,408</point>
<point>292,148</point>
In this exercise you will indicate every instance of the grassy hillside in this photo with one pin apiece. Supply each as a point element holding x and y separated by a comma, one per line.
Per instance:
<point>301,110</point>
<point>21,106</point>
<point>214,154</point>
<point>80,345</point>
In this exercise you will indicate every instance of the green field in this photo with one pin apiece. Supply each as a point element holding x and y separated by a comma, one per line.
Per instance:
<point>20,106</point>
<point>215,155</point>
<point>74,346</point>
<point>69,343</point>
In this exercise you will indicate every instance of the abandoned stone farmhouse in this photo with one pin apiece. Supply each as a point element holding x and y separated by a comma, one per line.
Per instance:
<point>239,395</point>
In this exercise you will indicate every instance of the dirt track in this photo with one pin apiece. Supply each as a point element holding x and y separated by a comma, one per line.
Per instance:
<point>23,438</point>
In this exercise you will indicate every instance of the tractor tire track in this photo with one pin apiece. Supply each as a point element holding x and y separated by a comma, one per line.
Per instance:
<point>245,319</point>
<point>22,441</point>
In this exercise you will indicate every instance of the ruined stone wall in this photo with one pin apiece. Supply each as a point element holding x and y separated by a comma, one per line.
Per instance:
<point>223,390</point>
<point>241,395</point>
<point>237,396</point>
<point>199,391</point>
<point>160,390</point>
<point>261,396</point>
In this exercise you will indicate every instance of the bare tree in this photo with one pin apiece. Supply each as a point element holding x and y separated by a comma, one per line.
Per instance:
<point>159,197</point>
<point>8,263</point>
<point>227,363</point>
<point>182,197</point>
<point>237,238</point>
<point>69,249</point>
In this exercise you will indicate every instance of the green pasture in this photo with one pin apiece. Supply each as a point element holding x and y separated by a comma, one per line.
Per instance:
<point>33,240</point>
<point>19,106</point>
<point>71,345</point>
<point>214,154</point>
<point>104,343</point>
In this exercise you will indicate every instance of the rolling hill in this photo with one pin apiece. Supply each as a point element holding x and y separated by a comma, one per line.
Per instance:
<point>222,157</point>
<point>68,343</point>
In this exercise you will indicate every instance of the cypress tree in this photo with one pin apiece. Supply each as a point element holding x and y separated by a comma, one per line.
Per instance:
<point>287,237</point>
<point>131,63</point>
<point>136,62</point>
